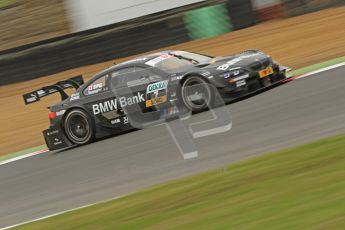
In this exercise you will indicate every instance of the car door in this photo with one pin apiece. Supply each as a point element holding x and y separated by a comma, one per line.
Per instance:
<point>141,91</point>
<point>99,100</point>
<point>103,98</point>
<point>131,87</point>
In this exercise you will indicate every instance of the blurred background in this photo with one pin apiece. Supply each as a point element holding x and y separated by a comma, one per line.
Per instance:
<point>40,37</point>
<point>46,41</point>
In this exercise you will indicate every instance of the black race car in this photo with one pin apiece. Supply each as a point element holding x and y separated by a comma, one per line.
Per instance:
<point>160,85</point>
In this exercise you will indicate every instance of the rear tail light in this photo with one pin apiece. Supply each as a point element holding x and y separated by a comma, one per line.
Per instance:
<point>52,115</point>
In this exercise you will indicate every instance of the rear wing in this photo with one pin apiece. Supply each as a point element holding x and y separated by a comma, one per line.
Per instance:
<point>59,87</point>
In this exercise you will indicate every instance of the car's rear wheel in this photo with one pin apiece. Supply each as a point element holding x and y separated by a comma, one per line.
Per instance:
<point>196,94</point>
<point>79,127</point>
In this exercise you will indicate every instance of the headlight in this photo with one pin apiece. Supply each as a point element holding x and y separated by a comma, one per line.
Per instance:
<point>232,73</point>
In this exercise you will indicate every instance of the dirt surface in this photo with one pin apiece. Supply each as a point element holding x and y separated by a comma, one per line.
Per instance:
<point>295,42</point>
<point>22,27</point>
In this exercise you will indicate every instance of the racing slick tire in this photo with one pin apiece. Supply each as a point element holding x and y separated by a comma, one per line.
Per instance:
<point>79,127</point>
<point>196,94</point>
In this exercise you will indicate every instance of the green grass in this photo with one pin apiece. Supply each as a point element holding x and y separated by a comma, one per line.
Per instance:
<point>298,188</point>
<point>5,3</point>
<point>318,66</point>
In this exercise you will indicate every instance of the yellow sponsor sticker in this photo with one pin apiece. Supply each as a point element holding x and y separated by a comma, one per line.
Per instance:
<point>156,101</point>
<point>266,72</point>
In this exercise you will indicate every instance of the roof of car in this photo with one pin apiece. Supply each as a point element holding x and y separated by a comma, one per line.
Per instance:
<point>145,58</point>
<point>139,60</point>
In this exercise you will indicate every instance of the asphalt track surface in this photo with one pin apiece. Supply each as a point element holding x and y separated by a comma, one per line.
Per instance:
<point>295,113</point>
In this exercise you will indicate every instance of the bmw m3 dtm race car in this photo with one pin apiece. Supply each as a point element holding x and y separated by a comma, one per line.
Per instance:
<point>159,85</point>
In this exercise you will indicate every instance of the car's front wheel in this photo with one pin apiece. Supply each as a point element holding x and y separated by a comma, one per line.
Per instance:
<point>79,127</point>
<point>196,94</point>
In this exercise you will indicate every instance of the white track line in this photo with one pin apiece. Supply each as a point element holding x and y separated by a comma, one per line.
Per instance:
<point>23,157</point>
<point>85,206</point>
<point>63,212</point>
<point>321,70</point>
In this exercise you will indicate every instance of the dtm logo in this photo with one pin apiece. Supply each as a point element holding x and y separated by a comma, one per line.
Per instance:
<point>111,105</point>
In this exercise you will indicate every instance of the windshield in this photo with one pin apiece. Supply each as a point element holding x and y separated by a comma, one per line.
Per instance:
<point>197,57</point>
<point>174,65</point>
<point>178,61</point>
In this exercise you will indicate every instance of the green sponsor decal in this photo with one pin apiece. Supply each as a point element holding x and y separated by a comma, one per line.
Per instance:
<point>157,86</point>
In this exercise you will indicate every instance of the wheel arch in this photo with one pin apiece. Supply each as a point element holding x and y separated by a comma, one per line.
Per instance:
<point>194,74</point>
<point>211,87</point>
<point>68,110</point>
<point>76,107</point>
